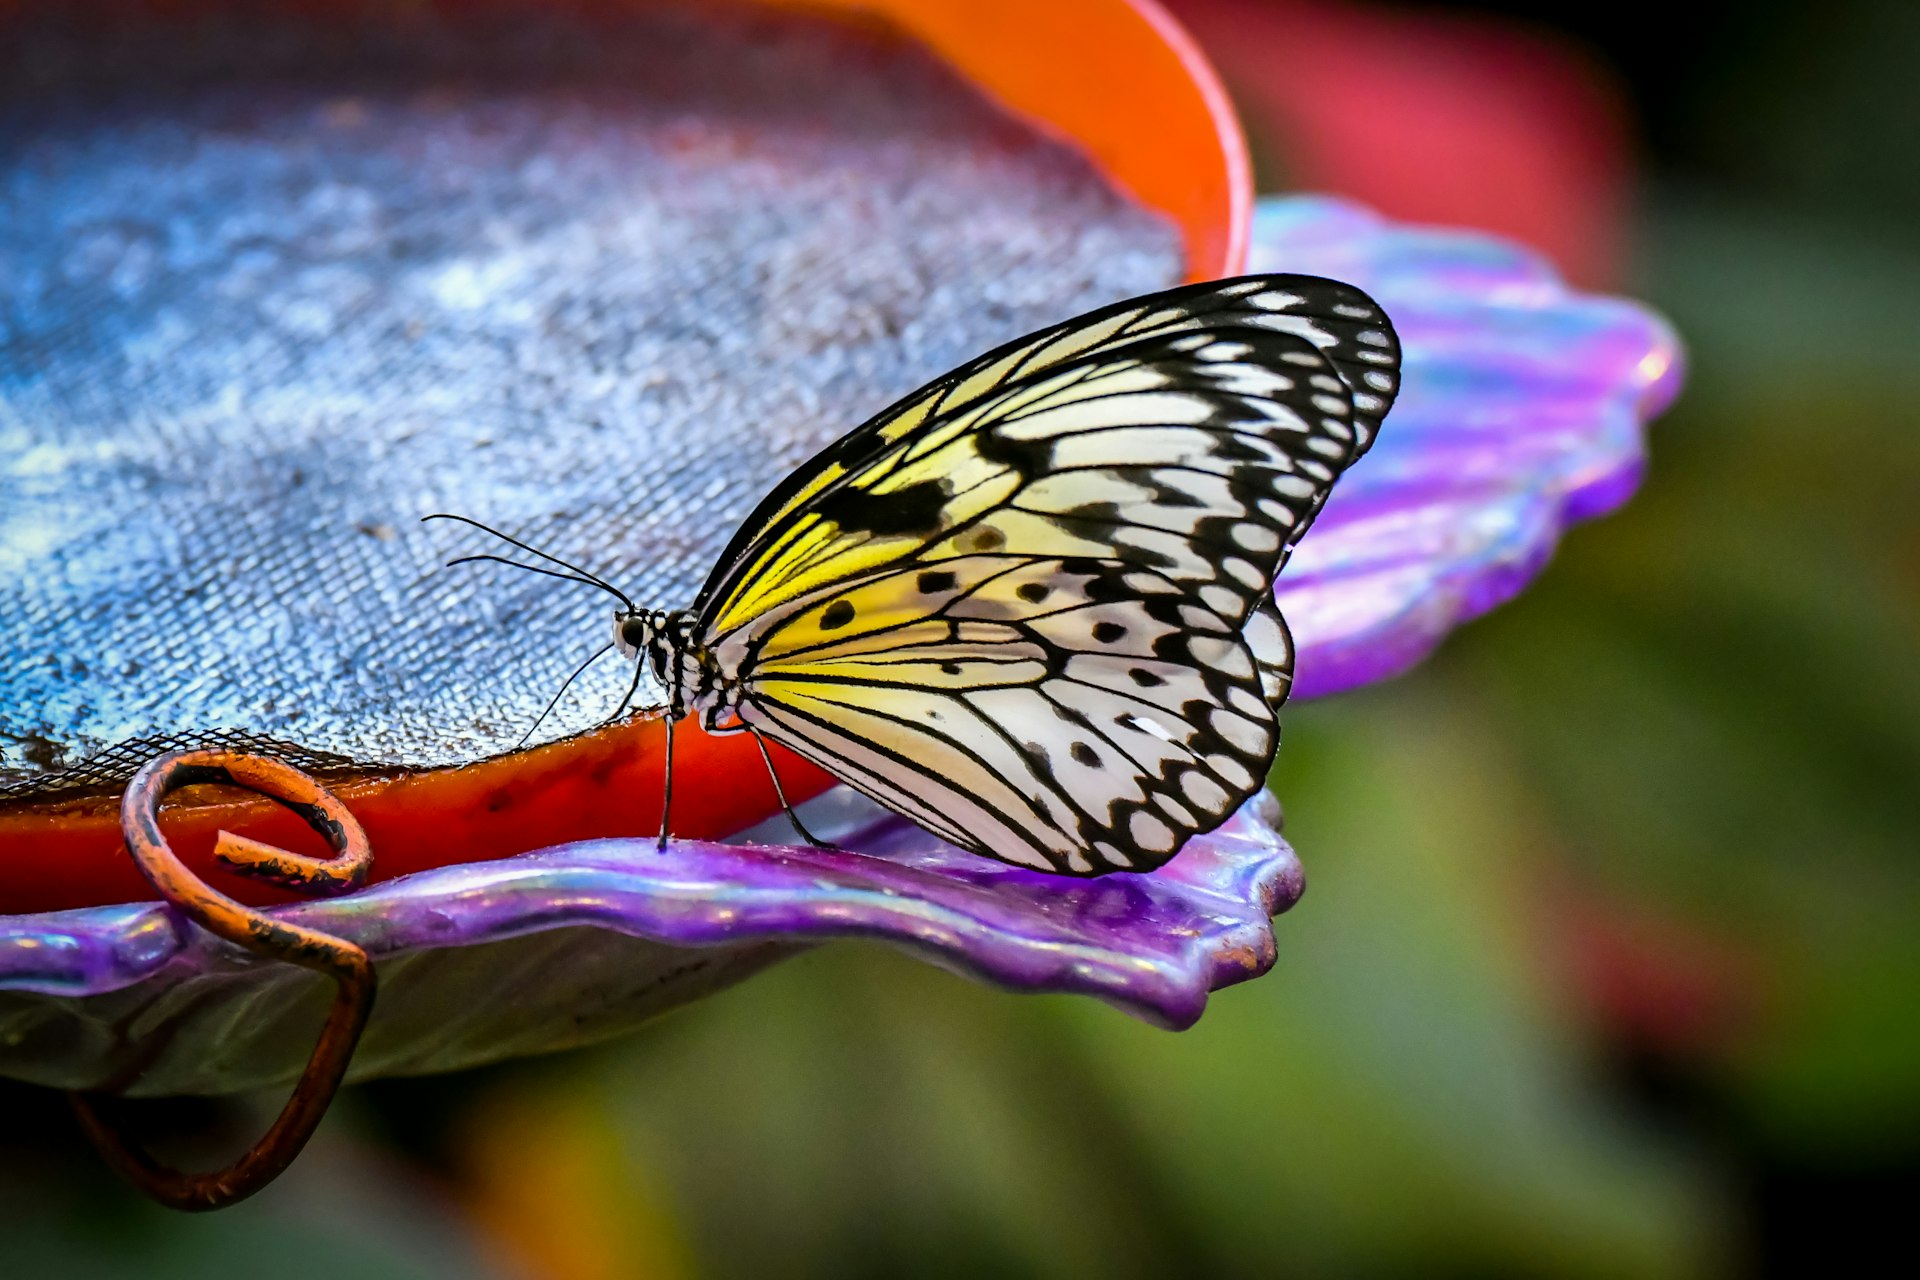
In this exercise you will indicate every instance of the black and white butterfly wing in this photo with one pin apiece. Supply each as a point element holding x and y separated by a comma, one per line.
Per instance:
<point>1071,714</point>
<point>1197,380</point>
<point>1030,605</point>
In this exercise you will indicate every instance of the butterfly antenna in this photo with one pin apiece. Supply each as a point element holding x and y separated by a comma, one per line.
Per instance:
<point>551,573</point>
<point>586,575</point>
<point>597,654</point>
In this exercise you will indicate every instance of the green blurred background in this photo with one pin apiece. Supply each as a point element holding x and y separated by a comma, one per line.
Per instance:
<point>1609,965</point>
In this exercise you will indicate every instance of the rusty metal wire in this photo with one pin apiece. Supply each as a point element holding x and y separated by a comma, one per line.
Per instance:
<point>348,965</point>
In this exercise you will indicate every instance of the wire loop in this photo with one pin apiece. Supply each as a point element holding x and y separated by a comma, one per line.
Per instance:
<point>348,965</point>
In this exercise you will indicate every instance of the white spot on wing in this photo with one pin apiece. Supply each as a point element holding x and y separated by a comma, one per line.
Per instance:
<point>1245,572</point>
<point>1225,656</point>
<point>1256,537</point>
<point>1203,792</point>
<point>1249,736</point>
<point>1150,833</point>
<point>1232,772</point>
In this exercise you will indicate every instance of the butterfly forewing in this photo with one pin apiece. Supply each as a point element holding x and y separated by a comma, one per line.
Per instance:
<point>1207,371</point>
<point>1030,605</point>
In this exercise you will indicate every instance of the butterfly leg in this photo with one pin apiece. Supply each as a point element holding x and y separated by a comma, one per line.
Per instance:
<point>781,792</point>
<point>666,803</point>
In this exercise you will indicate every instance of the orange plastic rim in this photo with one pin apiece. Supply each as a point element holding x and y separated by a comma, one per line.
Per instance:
<point>1117,79</point>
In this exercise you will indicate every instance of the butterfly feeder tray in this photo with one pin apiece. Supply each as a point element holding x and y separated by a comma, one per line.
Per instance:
<point>280,279</point>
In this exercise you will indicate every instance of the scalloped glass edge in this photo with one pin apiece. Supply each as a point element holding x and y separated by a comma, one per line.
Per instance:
<point>1154,945</point>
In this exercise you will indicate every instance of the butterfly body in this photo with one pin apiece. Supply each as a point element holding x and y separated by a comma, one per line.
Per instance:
<point>1030,606</point>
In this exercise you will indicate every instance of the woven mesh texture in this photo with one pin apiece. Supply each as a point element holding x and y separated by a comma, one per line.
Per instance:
<point>271,289</point>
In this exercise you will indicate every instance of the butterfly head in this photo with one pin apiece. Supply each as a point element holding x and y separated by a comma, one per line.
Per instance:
<point>638,631</point>
<point>653,636</point>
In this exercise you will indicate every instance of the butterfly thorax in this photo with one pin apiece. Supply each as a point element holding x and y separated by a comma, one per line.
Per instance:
<point>664,640</point>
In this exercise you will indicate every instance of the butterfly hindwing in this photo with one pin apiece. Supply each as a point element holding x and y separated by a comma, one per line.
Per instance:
<point>1074,715</point>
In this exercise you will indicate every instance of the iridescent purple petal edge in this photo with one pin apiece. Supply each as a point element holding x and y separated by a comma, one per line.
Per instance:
<point>1154,945</point>
<point>1523,410</point>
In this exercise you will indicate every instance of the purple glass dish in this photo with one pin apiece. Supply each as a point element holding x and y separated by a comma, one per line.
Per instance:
<point>1523,411</point>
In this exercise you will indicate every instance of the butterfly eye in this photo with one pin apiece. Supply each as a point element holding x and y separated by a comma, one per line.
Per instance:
<point>633,632</point>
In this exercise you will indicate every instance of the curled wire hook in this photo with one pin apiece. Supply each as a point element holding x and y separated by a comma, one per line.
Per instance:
<point>347,964</point>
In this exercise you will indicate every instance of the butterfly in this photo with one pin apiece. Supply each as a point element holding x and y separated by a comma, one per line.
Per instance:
<point>1030,605</point>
